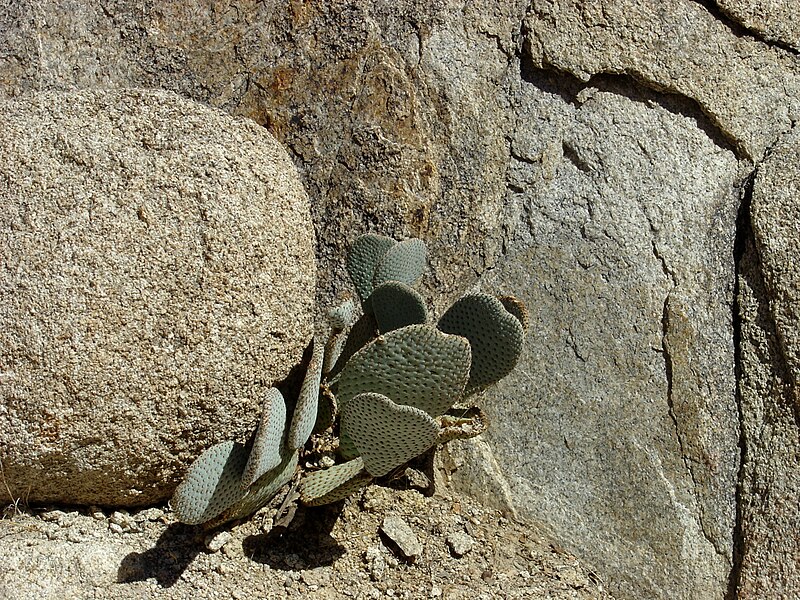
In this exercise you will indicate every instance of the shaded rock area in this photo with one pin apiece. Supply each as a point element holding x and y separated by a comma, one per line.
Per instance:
<point>157,276</point>
<point>333,552</point>
<point>592,158</point>
<point>775,20</point>
<point>768,308</point>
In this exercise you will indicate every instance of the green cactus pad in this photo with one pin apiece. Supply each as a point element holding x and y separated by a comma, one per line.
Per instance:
<point>305,413</point>
<point>347,449</point>
<point>415,365</point>
<point>342,316</point>
<point>262,490</point>
<point>365,254</point>
<point>494,334</point>
<point>362,331</point>
<point>403,262</point>
<point>212,484</point>
<point>517,308</point>
<point>387,434</point>
<point>334,483</point>
<point>266,451</point>
<point>396,305</point>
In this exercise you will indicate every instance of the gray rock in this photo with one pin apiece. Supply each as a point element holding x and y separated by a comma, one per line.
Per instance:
<point>215,541</point>
<point>158,277</point>
<point>620,424</point>
<point>460,543</point>
<point>749,90</point>
<point>769,302</point>
<point>585,151</point>
<point>406,541</point>
<point>775,21</point>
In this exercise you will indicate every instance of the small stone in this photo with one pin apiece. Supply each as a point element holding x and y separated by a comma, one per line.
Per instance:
<point>75,537</point>
<point>404,538</point>
<point>149,514</point>
<point>327,461</point>
<point>435,592</point>
<point>125,522</point>
<point>97,513</point>
<point>460,543</point>
<point>115,528</point>
<point>216,541</point>
<point>54,516</point>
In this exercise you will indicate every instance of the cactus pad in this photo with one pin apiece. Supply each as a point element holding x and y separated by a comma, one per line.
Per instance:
<point>386,434</point>
<point>305,413</point>
<point>494,334</point>
<point>266,451</point>
<point>517,308</point>
<point>365,254</point>
<point>403,262</point>
<point>334,483</point>
<point>396,305</point>
<point>416,365</point>
<point>342,316</point>
<point>362,331</point>
<point>262,491</point>
<point>212,484</point>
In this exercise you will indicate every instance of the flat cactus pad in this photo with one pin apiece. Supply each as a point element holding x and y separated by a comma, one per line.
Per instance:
<point>305,413</point>
<point>266,450</point>
<point>403,262</point>
<point>387,434</point>
<point>262,491</point>
<point>396,305</point>
<point>333,484</point>
<point>415,365</point>
<point>365,254</point>
<point>494,334</point>
<point>212,484</point>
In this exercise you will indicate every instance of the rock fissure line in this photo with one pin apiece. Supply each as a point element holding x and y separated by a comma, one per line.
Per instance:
<point>555,81</point>
<point>668,369</point>
<point>740,30</point>
<point>742,233</point>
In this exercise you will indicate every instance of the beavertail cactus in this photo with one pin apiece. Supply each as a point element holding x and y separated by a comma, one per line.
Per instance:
<point>384,381</point>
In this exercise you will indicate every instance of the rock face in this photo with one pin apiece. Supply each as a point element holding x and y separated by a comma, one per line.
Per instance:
<point>769,303</point>
<point>589,157</point>
<point>628,383</point>
<point>157,276</point>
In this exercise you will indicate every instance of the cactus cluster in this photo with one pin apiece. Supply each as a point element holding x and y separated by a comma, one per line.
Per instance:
<point>383,384</point>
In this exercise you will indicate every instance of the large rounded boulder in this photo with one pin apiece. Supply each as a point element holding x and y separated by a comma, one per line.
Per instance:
<point>156,278</point>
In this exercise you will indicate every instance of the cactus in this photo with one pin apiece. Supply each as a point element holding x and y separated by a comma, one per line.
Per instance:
<point>495,336</point>
<point>212,484</point>
<point>265,453</point>
<point>396,305</point>
<point>385,383</point>
<point>386,434</point>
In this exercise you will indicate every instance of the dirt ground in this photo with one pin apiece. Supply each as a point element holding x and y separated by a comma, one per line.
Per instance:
<point>382,543</point>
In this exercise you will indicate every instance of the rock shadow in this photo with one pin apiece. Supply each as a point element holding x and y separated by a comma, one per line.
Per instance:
<point>306,543</point>
<point>174,551</point>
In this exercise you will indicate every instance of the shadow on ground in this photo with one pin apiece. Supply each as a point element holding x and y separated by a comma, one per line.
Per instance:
<point>174,551</point>
<point>305,544</point>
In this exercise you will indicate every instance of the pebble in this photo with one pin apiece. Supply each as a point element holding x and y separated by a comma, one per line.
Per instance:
<point>216,541</point>
<point>460,543</point>
<point>401,534</point>
<point>125,522</point>
<point>116,528</point>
